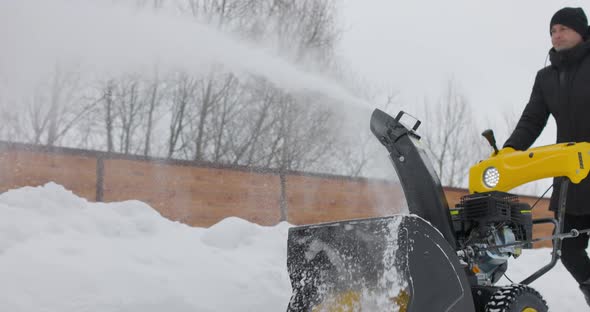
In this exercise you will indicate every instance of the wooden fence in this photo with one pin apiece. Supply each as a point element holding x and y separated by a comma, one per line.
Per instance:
<point>201,194</point>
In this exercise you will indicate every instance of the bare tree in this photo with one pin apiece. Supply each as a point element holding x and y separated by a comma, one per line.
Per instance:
<point>127,111</point>
<point>227,110</point>
<point>108,98</point>
<point>312,24</point>
<point>11,127</point>
<point>56,106</point>
<point>256,120</point>
<point>450,136</point>
<point>154,98</point>
<point>217,12</point>
<point>213,90</point>
<point>357,148</point>
<point>302,136</point>
<point>303,30</point>
<point>183,94</point>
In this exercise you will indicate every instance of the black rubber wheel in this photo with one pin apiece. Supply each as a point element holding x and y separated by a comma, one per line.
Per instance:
<point>516,298</point>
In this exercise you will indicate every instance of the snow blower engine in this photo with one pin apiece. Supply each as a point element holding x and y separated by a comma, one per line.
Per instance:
<point>487,226</point>
<point>435,258</point>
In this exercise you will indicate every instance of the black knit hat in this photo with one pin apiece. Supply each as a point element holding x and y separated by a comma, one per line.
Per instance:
<point>574,18</point>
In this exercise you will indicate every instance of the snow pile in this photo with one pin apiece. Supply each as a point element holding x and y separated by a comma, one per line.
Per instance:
<point>59,252</point>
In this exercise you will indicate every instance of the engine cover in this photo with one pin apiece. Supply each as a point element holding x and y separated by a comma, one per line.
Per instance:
<point>476,212</point>
<point>484,220</point>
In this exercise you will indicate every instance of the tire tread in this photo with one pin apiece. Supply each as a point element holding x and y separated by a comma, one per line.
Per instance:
<point>506,297</point>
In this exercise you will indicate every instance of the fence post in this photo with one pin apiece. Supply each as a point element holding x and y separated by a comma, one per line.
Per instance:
<point>284,205</point>
<point>99,178</point>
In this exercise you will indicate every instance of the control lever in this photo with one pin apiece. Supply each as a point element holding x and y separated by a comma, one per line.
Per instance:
<point>489,135</point>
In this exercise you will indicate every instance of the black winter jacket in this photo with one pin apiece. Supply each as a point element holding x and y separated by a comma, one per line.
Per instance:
<point>562,90</point>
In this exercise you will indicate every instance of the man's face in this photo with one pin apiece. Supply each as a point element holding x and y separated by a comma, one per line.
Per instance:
<point>563,37</point>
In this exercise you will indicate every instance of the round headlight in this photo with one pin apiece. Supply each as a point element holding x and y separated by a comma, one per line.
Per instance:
<point>491,177</point>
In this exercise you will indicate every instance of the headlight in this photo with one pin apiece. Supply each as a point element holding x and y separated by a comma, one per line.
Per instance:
<point>491,177</point>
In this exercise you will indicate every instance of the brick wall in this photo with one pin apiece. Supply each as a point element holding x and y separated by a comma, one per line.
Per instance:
<point>202,194</point>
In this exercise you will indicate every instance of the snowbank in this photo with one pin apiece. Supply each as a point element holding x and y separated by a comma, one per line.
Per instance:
<point>59,252</point>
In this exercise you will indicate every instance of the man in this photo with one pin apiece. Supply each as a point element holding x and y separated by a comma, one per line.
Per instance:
<point>563,90</point>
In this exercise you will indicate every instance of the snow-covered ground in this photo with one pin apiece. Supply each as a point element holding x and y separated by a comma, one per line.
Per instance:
<point>59,252</point>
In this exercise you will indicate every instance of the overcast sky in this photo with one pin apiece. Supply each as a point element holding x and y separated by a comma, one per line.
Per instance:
<point>492,49</point>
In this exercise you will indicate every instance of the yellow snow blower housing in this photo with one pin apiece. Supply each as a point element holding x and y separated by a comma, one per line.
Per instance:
<point>508,168</point>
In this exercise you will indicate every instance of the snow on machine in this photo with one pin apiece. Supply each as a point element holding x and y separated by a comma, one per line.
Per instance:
<point>434,258</point>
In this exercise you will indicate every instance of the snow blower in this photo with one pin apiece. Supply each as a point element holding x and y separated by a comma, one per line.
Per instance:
<point>434,258</point>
